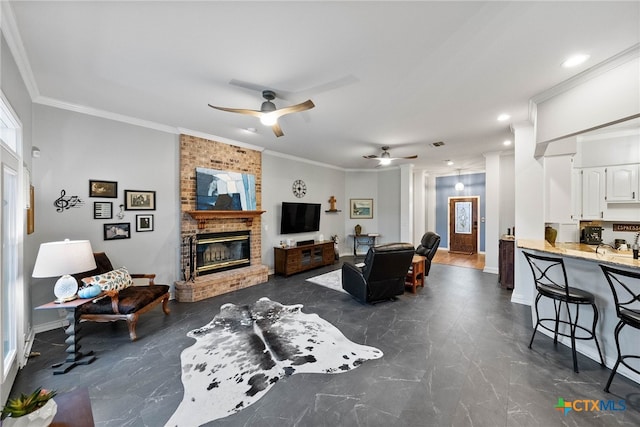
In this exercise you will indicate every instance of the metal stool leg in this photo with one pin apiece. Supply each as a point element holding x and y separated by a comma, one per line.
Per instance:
<point>535,328</point>
<point>615,367</point>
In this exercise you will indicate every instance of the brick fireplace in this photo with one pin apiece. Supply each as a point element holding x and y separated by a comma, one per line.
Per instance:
<point>199,152</point>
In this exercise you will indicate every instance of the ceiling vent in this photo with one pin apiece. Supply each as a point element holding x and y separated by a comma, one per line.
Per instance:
<point>438,144</point>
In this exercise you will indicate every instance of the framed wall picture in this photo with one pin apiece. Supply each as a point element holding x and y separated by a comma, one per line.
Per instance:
<point>108,189</point>
<point>144,222</point>
<point>137,200</point>
<point>361,208</point>
<point>117,231</point>
<point>102,210</point>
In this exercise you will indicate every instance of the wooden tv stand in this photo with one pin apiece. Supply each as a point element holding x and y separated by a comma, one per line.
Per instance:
<point>295,259</point>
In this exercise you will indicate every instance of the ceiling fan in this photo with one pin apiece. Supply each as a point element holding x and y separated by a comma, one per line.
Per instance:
<point>268,113</point>
<point>385,158</point>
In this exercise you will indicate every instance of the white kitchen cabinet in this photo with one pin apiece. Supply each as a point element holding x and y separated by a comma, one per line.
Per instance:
<point>576,194</point>
<point>593,191</point>
<point>622,184</point>
<point>558,189</point>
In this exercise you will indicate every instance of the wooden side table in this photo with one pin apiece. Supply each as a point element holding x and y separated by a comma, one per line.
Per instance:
<point>74,355</point>
<point>415,276</point>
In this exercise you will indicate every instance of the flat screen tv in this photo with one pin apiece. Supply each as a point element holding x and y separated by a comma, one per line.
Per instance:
<point>299,217</point>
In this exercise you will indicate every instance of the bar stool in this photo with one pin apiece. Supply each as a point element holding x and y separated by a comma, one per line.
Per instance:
<point>625,287</point>
<point>550,278</point>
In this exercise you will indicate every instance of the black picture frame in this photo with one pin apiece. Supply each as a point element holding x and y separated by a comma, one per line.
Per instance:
<point>139,200</point>
<point>144,223</point>
<point>117,231</point>
<point>102,210</point>
<point>106,189</point>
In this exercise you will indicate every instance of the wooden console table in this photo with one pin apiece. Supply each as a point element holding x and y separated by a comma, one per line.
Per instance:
<point>301,258</point>
<point>74,356</point>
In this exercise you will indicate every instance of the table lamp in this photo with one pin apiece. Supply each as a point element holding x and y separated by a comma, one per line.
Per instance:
<point>62,259</point>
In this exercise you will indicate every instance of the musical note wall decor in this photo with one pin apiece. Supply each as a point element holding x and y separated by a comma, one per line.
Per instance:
<point>65,202</point>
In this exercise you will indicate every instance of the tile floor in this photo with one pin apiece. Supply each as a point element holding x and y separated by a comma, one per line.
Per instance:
<point>455,355</point>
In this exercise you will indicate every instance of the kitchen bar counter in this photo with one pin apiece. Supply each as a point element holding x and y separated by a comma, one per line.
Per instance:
<point>582,264</point>
<point>605,254</point>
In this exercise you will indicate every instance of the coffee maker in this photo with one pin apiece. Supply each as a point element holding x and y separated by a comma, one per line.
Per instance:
<point>591,235</point>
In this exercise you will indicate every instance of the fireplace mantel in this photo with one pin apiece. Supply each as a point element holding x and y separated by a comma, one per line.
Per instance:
<point>203,216</point>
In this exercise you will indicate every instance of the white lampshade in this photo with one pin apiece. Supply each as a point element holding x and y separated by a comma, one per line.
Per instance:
<point>62,259</point>
<point>459,186</point>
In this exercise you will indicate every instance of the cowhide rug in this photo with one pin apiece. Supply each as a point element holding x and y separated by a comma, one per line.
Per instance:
<point>245,350</point>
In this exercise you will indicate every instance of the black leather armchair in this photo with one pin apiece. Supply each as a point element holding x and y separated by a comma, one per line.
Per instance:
<point>383,274</point>
<point>427,248</point>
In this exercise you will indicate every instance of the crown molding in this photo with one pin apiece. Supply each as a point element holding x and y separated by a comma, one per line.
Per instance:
<point>217,138</point>
<point>607,65</point>
<point>9,29</point>
<point>51,102</point>
<point>301,159</point>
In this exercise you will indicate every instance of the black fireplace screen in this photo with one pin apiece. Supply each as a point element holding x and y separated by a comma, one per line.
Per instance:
<point>222,251</point>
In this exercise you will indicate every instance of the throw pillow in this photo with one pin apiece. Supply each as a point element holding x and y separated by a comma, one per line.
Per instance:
<point>114,280</point>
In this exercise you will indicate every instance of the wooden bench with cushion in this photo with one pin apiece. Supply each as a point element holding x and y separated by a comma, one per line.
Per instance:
<point>121,299</point>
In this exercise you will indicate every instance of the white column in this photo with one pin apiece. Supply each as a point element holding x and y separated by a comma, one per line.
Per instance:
<point>419,206</point>
<point>529,206</point>
<point>406,203</point>
<point>492,212</point>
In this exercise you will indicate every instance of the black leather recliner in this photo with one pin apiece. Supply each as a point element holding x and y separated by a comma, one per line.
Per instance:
<point>383,274</point>
<point>427,248</point>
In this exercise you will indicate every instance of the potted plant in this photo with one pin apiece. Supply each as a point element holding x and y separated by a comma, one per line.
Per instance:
<point>30,410</point>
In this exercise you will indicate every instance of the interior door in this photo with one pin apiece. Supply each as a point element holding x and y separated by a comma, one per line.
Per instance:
<point>463,225</point>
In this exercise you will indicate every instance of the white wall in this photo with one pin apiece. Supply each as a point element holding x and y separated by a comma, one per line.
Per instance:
<point>76,148</point>
<point>322,181</point>
<point>388,199</point>
<point>606,97</point>
<point>507,190</point>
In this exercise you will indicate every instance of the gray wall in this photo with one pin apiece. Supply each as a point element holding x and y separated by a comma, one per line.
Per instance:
<point>76,148</point>
<point>322,181</point>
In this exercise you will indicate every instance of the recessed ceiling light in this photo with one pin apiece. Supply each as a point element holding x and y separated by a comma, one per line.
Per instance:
<point>252,130</point>
<point>449,162</point>
<point>507,142</point>
<point>502,117</point>
<point>575,60</point>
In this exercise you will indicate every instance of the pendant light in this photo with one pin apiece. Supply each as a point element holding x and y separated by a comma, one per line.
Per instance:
<point>459,185</point>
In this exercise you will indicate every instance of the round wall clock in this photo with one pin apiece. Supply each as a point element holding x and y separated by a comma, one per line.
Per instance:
<point>299,188</point>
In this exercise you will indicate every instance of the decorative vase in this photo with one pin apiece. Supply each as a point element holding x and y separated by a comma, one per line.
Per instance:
<point>550,234</point>
<point>39,418</point>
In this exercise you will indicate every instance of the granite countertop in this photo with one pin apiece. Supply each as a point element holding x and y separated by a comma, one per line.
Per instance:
<point>605,253</point>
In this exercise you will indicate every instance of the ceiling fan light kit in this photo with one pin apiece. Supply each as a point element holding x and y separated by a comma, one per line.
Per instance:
<point>268,113</point>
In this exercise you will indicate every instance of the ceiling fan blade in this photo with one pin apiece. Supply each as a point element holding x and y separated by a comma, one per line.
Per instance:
<point>306,105</point>
<point>277,130</point>
<point>415,156</point>
<point>254,113</point>
<point>371,156</point>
